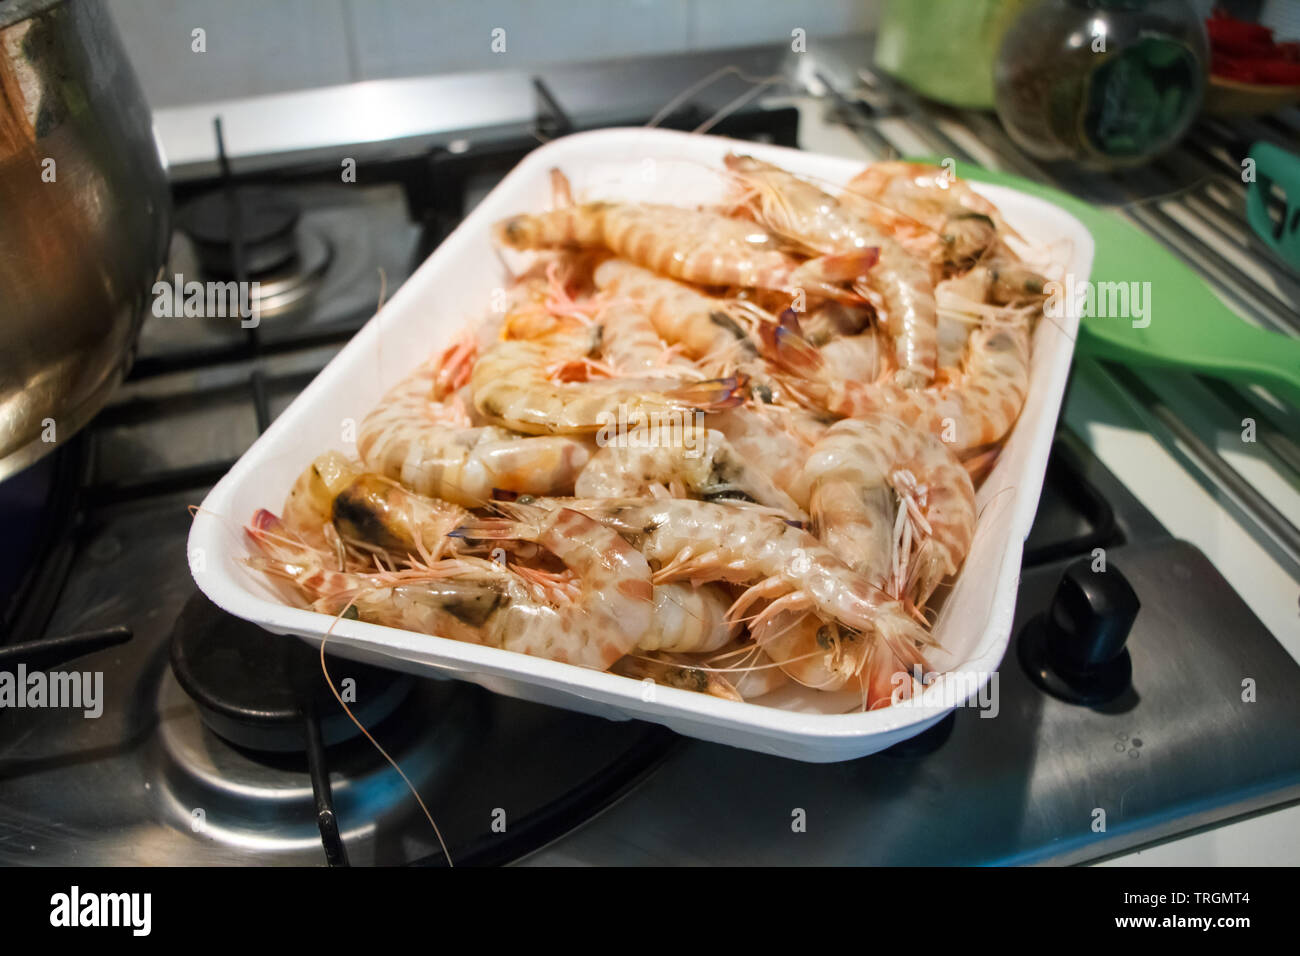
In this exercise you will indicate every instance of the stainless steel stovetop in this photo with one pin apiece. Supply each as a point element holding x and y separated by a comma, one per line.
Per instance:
<point>150,782</point>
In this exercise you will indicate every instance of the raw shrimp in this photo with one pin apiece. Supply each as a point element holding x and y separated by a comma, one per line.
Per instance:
<point>378,513</point>
<point>675,670</point>
<point>873,480</point>
<point>630,344</point>
<point>954,297</point>
<point>714,332</point>
<point>899,195</point>
<point>800,211</point>
<point>688,619</point>
<point>425,599</point>
<point>767,544</point>
<point>848,358</point>
<point>697,323</point>
<point>976,409</point>
<point>687,244</point>
<point>429,444</point>
<point>837,348</point>
<point>334,505</point>
<point>743,544</point>
<point>774,439</point>
<point>686,458</point>
<point>824,656</point>
<point>372,511</point>
<point>487,602</point>
<point>309,508</point>
<point>831,320</point>
<point>1014,283</point>
<point>512,386</point>
<point>999,281</point>
<point>855,358</point>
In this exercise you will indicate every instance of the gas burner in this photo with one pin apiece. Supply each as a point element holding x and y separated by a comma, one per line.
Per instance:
<point>256,689</point>
<point>292,287</point>
<point>262,223</point>
<point>286,260</point>
<point>240,801</point>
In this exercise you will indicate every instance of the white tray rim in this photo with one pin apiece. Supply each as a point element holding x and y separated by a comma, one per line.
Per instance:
<point>807,736</point>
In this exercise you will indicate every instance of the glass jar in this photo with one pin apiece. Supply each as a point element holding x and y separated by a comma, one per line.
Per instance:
<point>1102,83</point>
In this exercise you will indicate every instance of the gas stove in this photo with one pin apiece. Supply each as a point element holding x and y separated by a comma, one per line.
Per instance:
<point>220,744</point>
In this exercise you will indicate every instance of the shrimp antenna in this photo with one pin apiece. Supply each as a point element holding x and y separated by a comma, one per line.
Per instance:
<point>360,726</point>
<point>762,82</point>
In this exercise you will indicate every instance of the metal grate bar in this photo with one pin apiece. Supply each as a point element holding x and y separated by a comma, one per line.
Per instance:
<point>1223,473</point>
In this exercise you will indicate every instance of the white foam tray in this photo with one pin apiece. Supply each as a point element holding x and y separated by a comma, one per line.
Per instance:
<point>455,285</point>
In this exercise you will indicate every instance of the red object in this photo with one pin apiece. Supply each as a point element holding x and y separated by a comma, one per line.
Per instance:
<point>1281,72</point>
<point>1247,52</point>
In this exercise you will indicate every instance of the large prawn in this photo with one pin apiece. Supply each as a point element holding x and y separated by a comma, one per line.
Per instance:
<point>487,602</point>
<point>974,407</point>
<point>685,458</point>
<point>422,435</point>
<point>929,209</point>
<point>693,245</point>
<point>892,502</point>
<point>787,569</point>
<point>703,327</point>
<point>804,213</point>
<point>336,506</point>
<point>520,385</point>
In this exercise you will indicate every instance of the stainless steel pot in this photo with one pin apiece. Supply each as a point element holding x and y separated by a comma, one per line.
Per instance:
<point>84,220</point>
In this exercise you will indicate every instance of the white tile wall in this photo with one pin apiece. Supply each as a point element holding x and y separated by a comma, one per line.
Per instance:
<point>412,37</point>
<point>276,45</point>
<point>253,47</point>
<point>722,23</point>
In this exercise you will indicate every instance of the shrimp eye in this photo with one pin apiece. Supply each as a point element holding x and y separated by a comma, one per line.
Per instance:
<point>724,321</point>
<point>514,229</point>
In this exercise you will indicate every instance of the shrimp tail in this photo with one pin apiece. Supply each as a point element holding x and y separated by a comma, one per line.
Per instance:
<point>281,569</point>
<point>714,394</point>
<point>826,275</point>
<point>264,521</point>
<point>785,345</point>
<point>846,266</point>
<point>454,366</point>
<point>273,537</point>
<point>561,190</point>
<point>285,555</point>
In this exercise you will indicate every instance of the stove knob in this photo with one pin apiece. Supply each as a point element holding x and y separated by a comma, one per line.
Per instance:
<point>1076,650</point>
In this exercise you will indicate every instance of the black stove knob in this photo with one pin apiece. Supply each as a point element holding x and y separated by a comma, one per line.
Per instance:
<point>1076,650</point>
